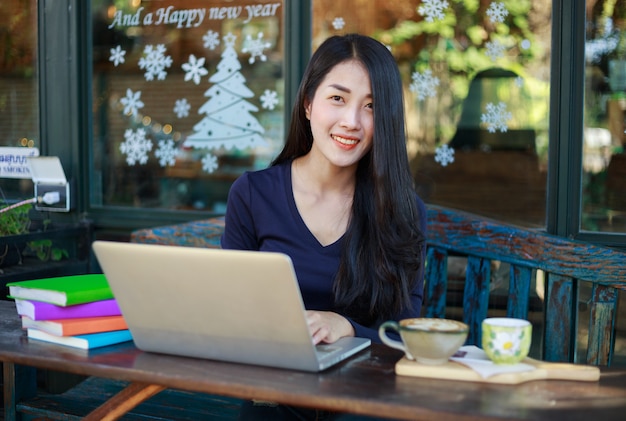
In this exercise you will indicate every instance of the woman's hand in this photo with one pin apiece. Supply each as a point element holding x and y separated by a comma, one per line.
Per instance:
<point>326,326</point>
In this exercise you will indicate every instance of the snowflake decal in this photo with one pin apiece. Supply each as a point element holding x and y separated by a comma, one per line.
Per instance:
<point>339,23</point>
<point>444,155</point>
<point>209,163</point>
<point>136,146</point>
<point>166,153</point>
<point>194,69</point>
<point>211,40</point>
<point>181,108</point>
<point>132,102</point>
<point>424,84</point>
<point>269,99</point>
<point>117,55</point>
<point>496,117</point>
<point>497,12</point>
<point>155,62</point>
<point>255,47</point>
<point>495,50</point>
<point>433,9</point>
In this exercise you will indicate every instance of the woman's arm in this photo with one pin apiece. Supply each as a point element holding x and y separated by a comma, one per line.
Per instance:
<point>239,223</point>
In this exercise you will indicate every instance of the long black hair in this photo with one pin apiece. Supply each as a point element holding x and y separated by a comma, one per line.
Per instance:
<point>383,245</point>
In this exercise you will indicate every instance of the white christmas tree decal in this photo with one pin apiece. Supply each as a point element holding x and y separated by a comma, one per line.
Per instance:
<point>228,122</point>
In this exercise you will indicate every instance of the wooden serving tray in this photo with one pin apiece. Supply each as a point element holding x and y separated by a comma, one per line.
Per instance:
<point>459,372</point>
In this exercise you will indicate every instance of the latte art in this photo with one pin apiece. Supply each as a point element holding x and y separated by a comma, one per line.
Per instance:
<point>435,325</point>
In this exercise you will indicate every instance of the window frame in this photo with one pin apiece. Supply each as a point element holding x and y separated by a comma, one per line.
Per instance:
<point>66,101</point>
<point>567,102</point>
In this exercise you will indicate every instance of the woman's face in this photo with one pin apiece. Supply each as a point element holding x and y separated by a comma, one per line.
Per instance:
<point>342,115</point>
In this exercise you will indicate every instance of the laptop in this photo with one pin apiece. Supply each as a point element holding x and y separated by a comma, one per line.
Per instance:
<point>228,305</point>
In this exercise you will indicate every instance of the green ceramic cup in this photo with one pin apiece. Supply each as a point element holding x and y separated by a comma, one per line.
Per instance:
<point>506,340</point>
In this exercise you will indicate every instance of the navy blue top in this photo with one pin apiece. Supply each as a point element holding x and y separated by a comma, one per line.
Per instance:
<point>262,215</point>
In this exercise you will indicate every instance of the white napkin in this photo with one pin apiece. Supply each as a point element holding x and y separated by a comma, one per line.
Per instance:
<point>476,359</point>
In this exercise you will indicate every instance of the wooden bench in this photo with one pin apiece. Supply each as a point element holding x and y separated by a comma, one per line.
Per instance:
<point>564,267</point>
<point>567,267</point>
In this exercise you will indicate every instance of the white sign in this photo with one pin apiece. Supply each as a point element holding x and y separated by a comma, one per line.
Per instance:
<point>14,162</point>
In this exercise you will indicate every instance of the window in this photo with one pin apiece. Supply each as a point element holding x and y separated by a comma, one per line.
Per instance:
<point>453,49</point>
<point>476,78</point>
<point>477,96</point>
<point>187,95</point>
<point>19,95</point>
<point>604,157</point>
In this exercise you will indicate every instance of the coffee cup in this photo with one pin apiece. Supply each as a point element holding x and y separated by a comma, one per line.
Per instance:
<point>426,340</point>
<point>506,340</point>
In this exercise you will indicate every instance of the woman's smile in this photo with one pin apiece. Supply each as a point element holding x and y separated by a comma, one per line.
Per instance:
<point>345,142</point>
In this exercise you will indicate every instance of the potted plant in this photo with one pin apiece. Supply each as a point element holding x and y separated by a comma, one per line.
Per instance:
<point>14,221</point>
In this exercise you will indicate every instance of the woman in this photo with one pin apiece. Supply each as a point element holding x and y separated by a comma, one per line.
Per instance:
<point>339,198</point>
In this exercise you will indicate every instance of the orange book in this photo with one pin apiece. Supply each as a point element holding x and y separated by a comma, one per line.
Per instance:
<point>72,327</point>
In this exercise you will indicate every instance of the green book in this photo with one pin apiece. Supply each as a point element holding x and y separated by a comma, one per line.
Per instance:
<point>63,291</point>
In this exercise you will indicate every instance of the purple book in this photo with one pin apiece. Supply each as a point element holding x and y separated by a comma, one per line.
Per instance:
<point>38,310</point>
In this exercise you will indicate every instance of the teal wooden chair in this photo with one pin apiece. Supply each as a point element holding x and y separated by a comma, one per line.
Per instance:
<point>567,265</point>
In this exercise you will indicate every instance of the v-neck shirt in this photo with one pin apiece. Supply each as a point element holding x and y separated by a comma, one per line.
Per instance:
<point>262,215</point>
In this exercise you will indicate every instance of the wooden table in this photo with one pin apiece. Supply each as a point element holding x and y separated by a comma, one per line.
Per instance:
<point>365,384</point>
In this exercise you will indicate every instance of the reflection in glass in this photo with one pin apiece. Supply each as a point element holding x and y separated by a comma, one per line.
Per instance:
<point>474,53</point>
<point>19,94</point>
<point>477,96</point>
<point>604,157</point>
<point>187,96</point>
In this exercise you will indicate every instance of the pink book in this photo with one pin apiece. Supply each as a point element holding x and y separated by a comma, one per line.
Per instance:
<point>38,310</point>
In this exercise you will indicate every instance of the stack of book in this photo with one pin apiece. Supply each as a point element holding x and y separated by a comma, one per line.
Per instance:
<point>77,311</point>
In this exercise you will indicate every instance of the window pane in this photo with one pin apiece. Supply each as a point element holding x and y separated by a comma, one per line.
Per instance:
<point>604,158</point>
<point>476,77</point>
<point>477,95</point>
<point>187,96</point>
<point>19,93</point>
